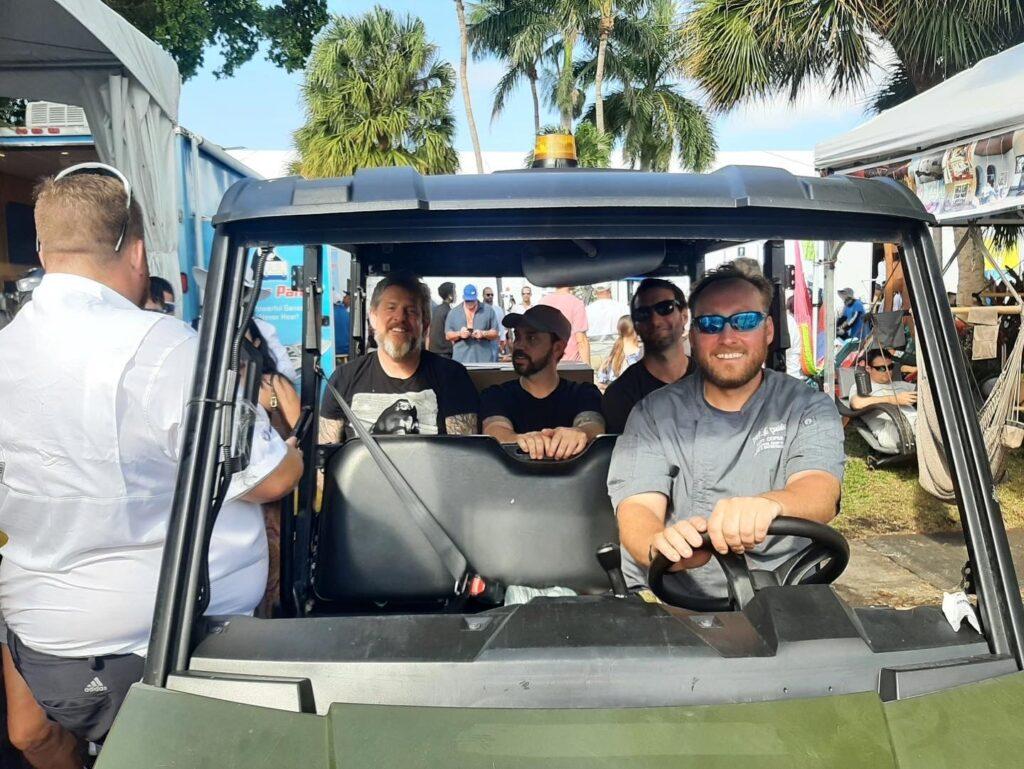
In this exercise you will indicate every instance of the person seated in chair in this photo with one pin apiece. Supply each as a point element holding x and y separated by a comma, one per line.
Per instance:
<point>880,367</point>
<point>400,388</point>
<point>547,416</point>
<point>726,451</point>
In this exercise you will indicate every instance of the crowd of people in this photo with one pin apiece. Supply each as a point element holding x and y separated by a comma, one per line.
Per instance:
<point>711,441</point>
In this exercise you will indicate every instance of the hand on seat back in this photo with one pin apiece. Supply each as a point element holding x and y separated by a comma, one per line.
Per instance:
<point>563,442</point>
<point>533,444</point>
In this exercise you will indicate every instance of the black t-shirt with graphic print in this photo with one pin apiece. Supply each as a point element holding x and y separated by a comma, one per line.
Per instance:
<point>527,413</point>
<point>439,389</point>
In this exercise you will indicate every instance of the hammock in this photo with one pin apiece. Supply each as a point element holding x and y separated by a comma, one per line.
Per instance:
<point>1000,426</point>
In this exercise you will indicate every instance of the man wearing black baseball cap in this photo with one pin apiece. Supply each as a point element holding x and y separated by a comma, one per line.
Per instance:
<point>547,416</point>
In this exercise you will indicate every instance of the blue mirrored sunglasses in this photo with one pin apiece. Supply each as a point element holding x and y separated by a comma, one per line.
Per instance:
<point>741,321</point>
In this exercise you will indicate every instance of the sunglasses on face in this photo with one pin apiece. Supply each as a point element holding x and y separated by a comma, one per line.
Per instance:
<point>883,369</point>
<point>643,313</point>
<point>741,321</point>
<point>102,169</point>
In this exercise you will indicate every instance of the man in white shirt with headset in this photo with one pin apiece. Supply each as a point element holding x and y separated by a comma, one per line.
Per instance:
<point>94,392</point>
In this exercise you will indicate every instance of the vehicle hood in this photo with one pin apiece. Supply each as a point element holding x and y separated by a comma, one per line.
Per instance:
<point>974,725</point>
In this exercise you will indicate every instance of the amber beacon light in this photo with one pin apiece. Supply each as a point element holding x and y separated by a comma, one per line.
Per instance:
<point>555,151</point>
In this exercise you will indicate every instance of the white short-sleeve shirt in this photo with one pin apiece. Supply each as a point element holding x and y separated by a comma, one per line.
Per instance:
<point>95,391</point>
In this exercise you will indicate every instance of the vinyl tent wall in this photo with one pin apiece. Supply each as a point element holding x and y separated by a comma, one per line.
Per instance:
<point>936,142</point>
<point>81,52</point>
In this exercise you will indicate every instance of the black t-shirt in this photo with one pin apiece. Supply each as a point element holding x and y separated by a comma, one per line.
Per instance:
<point>439,389</point>
<point>633,385</point>
<point>527,414</point>
<point>438,343</point>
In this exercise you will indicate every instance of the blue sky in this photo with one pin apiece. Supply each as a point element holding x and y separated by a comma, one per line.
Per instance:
<point>260,106</point>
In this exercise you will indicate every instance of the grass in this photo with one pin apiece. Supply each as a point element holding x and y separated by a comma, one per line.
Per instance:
<point>890,501</point>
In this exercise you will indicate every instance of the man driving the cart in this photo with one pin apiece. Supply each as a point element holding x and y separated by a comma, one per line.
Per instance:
<point>724,452</point>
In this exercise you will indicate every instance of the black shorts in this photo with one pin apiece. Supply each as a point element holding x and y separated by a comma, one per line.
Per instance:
<point>81,694</point>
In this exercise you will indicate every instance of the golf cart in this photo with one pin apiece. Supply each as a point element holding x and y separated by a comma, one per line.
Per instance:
<point>395,647</point>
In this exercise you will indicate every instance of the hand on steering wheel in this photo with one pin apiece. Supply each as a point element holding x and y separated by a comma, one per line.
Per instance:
<point>827,546</point>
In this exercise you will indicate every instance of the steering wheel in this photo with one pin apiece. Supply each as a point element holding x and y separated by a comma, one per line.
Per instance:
<point>827,546</point>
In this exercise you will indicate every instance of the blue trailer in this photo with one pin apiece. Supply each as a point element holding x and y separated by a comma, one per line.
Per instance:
<point>205,173</point>
<point>26,154</point>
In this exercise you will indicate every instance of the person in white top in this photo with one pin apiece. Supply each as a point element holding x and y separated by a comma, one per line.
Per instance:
<point>794,354</point>
<point>884,389</point>
<point>94,391</point>
<point>603,316</point>
<point>527,303</point>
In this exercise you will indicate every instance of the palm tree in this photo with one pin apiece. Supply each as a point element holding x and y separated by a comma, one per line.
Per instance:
<point>649,112</point>
<point>460,11</point>
<point>376,94</point>
<point>611,14</point>
<point>519,32</point>
<point>746,49</point>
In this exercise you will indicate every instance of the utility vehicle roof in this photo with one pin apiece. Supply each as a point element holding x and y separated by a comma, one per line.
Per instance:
<point>437,224</point>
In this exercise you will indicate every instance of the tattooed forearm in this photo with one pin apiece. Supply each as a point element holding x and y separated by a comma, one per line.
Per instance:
<point>330,430</point>
<point>461,424</point>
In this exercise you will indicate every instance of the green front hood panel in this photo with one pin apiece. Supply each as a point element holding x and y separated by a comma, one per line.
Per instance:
<point>976,725</point>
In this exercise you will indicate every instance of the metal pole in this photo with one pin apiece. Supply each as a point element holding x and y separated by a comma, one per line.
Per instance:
<point>999,604</point>
<point>172,620</point>
<point>831,253</point>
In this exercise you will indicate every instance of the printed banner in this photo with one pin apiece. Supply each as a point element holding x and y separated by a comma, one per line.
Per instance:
<point>283,307</point>
<point>982,176</point>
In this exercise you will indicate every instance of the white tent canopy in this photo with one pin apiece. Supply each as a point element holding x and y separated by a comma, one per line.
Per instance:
<point>983,99</point>
<point>81,52</point>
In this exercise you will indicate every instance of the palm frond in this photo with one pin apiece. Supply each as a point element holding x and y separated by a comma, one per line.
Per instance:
<point>376,94</point>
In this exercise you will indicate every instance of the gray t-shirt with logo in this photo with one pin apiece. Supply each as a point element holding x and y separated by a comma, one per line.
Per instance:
<point>678,445</point>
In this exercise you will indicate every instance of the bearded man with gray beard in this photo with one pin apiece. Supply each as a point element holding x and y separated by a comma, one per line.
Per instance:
<point>401,388</point>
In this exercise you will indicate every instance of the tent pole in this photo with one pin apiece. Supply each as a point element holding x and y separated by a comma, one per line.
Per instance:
<point>956,251</point>
<point>979,243</point>
<point>831,252</point>
<point>117,148</point>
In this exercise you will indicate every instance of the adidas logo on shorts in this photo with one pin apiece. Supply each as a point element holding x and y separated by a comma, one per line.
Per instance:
<point>95,686</point>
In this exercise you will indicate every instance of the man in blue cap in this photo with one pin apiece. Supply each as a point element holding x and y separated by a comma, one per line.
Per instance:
<point>472,328</point>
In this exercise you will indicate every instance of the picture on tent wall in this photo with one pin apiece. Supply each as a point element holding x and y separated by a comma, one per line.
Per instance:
<point>959,176</point>
<point>1017,150</point>
<point>929,180</point>
<point>994,168</point>
<point>898,171</point>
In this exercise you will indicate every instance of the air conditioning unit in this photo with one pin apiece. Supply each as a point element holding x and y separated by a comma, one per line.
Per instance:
<point>47,114</point>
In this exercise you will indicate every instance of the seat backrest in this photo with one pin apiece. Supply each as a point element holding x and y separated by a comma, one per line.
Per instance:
<point>523,522</point>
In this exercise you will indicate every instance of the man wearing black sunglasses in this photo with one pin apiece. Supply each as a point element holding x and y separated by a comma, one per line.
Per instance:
<point>659,312</point>
<point>885,389</point>
<point>724,452</point>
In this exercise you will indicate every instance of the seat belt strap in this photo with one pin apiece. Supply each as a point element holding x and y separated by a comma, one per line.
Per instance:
<point>453,559</point>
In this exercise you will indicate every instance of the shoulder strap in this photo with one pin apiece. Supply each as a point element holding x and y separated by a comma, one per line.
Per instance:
<point>454,561</point>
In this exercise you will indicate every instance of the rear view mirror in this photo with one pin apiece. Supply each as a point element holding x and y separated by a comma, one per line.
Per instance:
<point>579,262</point>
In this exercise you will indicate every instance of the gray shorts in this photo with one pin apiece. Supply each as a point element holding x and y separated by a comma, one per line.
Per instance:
<point>82,695</point>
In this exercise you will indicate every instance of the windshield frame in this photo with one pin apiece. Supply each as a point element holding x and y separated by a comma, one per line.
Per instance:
<point>174,636</point>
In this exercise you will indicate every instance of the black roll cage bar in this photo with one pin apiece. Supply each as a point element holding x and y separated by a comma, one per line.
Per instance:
<point>175,622</point>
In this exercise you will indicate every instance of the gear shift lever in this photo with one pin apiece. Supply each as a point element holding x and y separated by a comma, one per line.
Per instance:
<point>610,558</point>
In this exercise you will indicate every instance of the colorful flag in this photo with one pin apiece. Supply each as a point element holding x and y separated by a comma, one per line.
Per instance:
<point>802,310</point>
